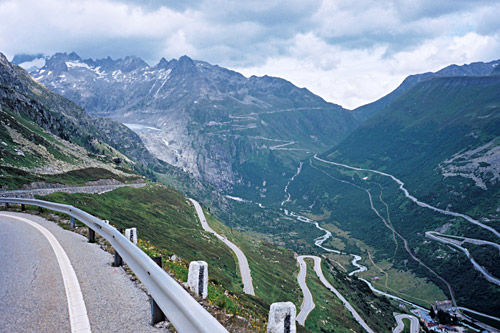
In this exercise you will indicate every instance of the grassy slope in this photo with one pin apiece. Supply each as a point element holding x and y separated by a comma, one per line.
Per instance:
<point>164,218</point>
<point>330,313</point>
<point>273,268</point>
<point>167,225</point>
<point>409,139</point>
<point>16,134</point>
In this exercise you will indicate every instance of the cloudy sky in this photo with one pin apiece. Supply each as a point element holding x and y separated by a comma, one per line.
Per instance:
<point>348,52</point>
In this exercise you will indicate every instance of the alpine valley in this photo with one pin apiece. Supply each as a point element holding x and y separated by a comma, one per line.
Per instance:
<point>408,186</point>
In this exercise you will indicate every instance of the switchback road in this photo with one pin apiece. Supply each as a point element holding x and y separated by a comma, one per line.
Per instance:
<point>319,272</point>
<point>414,327</point>
<point>307,303</point>
<point>246,277</point>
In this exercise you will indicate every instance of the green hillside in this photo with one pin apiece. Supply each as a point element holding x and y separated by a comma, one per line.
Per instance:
<point>166,219</point>
<point>442,127</point>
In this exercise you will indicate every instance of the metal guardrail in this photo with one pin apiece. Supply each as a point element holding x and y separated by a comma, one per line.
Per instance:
<point>182,310</point>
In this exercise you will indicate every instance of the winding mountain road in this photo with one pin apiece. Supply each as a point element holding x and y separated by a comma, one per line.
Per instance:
<point>415,200</point>
<point>30,193</point>
<point>414,327</point>
<point>306,309</point>
<point>307,303</point>
<point>246,277</point>
<point>456,243</point>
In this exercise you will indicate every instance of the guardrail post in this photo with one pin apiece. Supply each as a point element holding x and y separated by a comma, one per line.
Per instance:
<point>131,234</point>
<point>282,318</point>
<point>118,259</point>
<point>40,210</point>
<point>156,314</point>
<point>198,278</point>
<point>72,222</point>
<point>23,207</point>
<point>91,235</point>
<point>6,205</point>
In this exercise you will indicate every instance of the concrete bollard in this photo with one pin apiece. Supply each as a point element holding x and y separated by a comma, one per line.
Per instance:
<point>198,278</point>
<point>282,318</point>
<point>131,234</point>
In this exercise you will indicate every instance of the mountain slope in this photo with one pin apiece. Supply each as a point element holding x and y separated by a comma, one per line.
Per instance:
<point>440,138</point>
<point>473,69</point>
<point>44,134</point>
<point>23,96</point>
<point>211,122</point>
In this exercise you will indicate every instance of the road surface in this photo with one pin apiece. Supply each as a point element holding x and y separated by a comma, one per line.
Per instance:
<point>32,288</point>
<point>246,277</point>
<point>319,272</point>
<point>30,194</point>
<point>456,243</point>
<point>414,327</point>
<point>307,303</point>
<point>415,200</point>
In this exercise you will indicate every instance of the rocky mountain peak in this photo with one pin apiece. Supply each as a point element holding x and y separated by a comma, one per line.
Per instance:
<point>496,70</point>
<point>162,64</point>
<point>196,116</point>
<point>185,64</point>
<point>473,69</point>
<point>131,63</point>
<point>3,60</point>
<point>56,64</point>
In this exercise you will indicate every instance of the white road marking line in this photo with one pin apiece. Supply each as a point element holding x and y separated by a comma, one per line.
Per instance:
<point>76,305</point>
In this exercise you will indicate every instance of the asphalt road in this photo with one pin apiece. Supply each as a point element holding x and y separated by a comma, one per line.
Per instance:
<point>414,327</point>
<point>348,306</point>
<point>456,243</point>
<point>307,303</point>
<point>32,291</point>
<point>32,297</point>
<point>66,189</point>
<point>246,277</point>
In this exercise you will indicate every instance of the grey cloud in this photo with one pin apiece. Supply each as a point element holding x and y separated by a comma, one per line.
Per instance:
<point>414,10</point>
<point>119,48</point>
<point>151,5</point>
<point>262,12</point>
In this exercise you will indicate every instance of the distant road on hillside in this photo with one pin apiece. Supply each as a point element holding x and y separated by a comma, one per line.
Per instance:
<point>242,259</point>
<point>414,326</point>
<point>307,303</point>
<point>30,193</point>
<point>319,272</point>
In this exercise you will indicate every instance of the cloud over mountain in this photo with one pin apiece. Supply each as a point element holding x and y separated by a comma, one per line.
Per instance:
<point>338,49</point>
